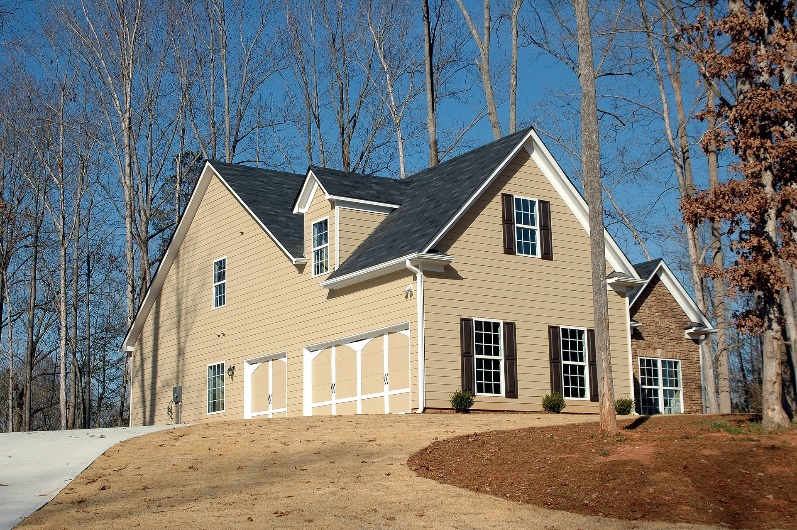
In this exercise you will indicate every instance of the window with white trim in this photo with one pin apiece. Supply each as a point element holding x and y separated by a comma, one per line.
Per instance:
<point>526,225</point>
<point>489,357</point>
<point>219,282</point>
<point>574,363</point>
<point>660,386</point>
<point>216,388</point>
<point>320,247</point>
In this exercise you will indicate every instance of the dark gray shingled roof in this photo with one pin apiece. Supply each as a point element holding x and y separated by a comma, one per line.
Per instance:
<point>359,186</point>
<point>434,197</point>
<point>270,195</point>
<point>645,271</point>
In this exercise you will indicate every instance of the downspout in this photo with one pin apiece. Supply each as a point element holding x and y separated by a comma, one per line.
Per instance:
<point>421,348</point>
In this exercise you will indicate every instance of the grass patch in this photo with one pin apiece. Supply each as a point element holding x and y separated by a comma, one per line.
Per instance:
<point>737,427</point>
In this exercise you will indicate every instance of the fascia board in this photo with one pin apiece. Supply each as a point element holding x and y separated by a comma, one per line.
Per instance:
<point>376,207</point>
<point>168,258</point>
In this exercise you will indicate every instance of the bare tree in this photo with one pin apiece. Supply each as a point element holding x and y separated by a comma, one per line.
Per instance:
<point>591,167</point>
<point>392,43</point>
<point>482,42</point>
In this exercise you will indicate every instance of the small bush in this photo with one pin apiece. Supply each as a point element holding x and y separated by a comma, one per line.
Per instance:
<point>462,400</point>
<point>553,403</point>
<point>624,406</point>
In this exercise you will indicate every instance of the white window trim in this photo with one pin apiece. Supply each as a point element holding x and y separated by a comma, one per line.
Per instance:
<point>207,387</point>
<point>500,357</point>
<point>536,228</point>
<point>313,249</point>
<point>660,387</point>
<point>586,363</point>
<point>215,283</point>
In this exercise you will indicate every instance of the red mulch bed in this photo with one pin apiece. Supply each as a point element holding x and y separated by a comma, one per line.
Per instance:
<point>697,469</point>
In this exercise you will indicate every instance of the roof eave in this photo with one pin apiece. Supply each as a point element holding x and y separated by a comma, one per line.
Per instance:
<point>431,261</point>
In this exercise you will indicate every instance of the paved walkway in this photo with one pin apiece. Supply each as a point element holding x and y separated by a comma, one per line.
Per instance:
<point>35,466</point>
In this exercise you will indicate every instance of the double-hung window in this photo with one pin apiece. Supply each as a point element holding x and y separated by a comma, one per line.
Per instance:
<point>489,357</point>
<point>660,386</point>
<point>574,363</point>
<point>219,282</point>
<point>526,226</point>
<point>320,247</point>
<point>216,388</point>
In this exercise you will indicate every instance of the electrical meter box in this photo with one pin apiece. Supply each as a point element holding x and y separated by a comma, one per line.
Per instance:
<point>177,394</point>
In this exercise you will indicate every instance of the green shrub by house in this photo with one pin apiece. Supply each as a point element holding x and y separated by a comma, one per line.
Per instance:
<point>624,406</point>
<point>462,400</point>
<point>553,403</point>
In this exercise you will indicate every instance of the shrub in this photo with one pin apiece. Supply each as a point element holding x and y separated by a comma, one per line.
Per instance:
<point>624,406</point>
<point>553,403</point>
<point>462,400</point>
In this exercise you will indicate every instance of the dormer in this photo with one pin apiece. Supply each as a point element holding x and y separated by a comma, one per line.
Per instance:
<point>340,210</point>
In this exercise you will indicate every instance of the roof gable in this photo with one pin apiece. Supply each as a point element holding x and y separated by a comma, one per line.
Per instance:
<point>439,196</point>
<point>262,193</point>
<point>658,267</point>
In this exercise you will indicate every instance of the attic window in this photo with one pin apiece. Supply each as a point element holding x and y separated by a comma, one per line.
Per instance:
<point>321,247</point>
<point>526,227</point>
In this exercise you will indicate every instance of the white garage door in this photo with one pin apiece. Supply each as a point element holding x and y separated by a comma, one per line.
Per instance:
<point>266,386</point>
<point>365,374</point>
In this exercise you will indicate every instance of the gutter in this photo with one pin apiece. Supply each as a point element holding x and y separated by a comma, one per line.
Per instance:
<point>421,347</point>
<point>430,260</point>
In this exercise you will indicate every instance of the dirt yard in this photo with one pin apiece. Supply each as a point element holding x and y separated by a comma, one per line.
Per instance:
<point>344,472</point>
<point>712,470</point>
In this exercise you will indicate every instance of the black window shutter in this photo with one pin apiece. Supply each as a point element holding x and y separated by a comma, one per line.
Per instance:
<point>555,348</point>
<point>466,340</point>
<point>510,360</point>
<point>593,366</point>
<point>546,242</point>
<point>508,205</point>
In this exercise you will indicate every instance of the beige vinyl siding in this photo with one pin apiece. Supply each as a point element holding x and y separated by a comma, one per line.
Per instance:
<point>483,282</point>
<point>354,227</point>
<point>272,306</point>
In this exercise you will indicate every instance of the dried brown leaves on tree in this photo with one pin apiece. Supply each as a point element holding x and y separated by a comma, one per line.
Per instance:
<point>757,204</point>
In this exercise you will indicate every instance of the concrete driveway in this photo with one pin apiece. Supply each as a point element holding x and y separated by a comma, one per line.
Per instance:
<point>35,466</point>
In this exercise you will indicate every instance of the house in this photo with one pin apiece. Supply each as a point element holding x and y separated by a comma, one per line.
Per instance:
<point>340,293</point>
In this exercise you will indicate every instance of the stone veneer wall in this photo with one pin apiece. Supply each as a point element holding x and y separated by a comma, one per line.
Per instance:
<point>662,335</point>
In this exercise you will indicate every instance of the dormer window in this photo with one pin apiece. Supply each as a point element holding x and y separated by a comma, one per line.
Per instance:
<point>320,247</point>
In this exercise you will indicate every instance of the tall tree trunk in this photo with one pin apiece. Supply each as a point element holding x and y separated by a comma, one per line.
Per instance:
<point>513,67</point>
<point>431,98</point>
<point>11,398</point>
<point>483,62</point>
<point>718,262</point>
<point>591,168</point>
<point>30,343</point>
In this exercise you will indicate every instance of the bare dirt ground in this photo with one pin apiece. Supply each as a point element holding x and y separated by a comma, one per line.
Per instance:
<point>341,472</point>
<point>708,469</point>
